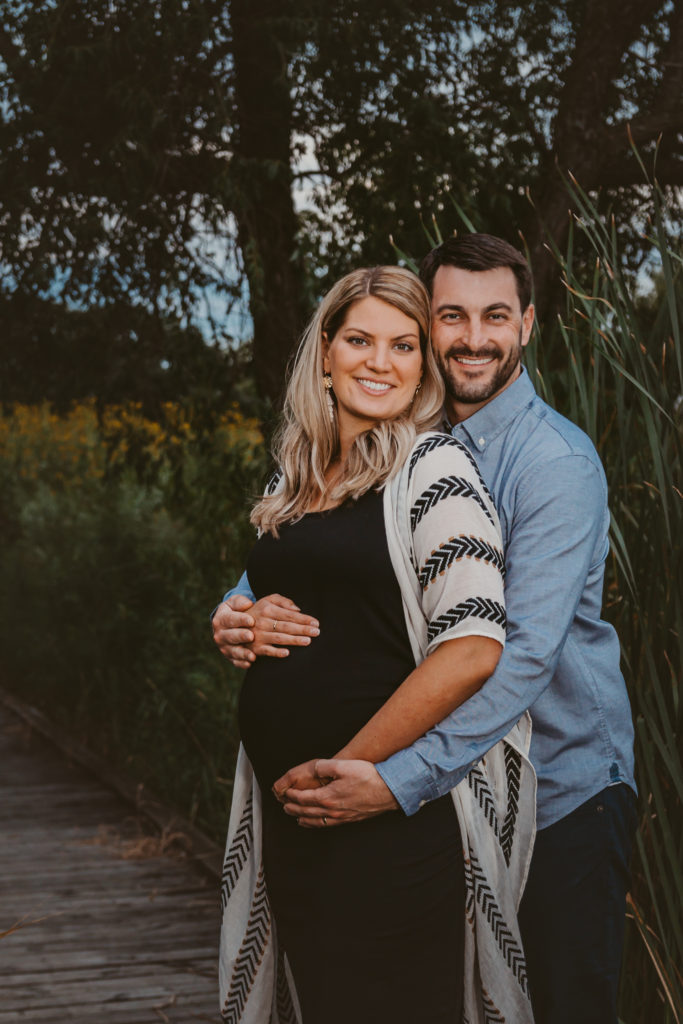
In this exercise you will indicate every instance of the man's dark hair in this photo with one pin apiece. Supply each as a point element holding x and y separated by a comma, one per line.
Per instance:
<point>479,252</point>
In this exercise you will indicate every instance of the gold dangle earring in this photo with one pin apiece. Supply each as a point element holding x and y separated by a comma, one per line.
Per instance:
<point>327,381</point>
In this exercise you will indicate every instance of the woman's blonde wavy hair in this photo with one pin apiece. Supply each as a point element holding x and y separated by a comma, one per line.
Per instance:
<point>307,441</point>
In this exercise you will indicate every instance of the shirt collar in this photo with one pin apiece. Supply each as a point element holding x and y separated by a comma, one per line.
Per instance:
<point>492,419</point>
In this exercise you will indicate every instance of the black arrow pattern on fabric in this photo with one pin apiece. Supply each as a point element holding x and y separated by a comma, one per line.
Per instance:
<point>492,1014</point>
<point>275,479</point>
<point>470,900</point>
<point>446,487</point>
<point>476,780</point>
<point>513,772</point>
<point>477,888</point>
<point>237,853</point>
<point>455,548</point>
<point>250,955</point>
<point>429,444</point>
<point>478,607</point>
<point>473,463</point>
<point>285,1006</point>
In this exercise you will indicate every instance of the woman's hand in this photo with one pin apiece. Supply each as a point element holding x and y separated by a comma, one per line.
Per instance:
<point>279,624</point>
<point>242,629</point>
<point>302,777</point>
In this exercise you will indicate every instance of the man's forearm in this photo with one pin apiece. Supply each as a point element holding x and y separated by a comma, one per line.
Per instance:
<point>549,554</point>
<point>441,683</point>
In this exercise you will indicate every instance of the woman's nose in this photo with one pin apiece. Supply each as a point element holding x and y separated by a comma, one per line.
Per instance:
<point>379,358</point>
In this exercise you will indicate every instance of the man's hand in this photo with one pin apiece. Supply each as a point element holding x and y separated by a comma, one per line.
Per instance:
<point>243,629</point>
<point>232,630</point>
<point>350,791</point>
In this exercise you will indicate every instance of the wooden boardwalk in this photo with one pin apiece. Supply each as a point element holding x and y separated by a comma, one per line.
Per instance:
<point>116,928</point>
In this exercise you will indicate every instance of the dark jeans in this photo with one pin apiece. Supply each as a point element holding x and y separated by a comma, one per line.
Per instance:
<point>572,912</point>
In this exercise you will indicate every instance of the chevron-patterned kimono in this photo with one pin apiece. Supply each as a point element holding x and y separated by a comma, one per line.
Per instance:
<point>495,804</point>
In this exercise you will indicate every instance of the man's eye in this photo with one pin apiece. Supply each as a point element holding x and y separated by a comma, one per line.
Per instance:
<point>451,316</point>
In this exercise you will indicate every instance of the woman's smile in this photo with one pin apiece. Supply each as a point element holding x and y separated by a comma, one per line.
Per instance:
<point>375,386</point>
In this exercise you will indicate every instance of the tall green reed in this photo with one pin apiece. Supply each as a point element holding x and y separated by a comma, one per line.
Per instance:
<point>622,381</point>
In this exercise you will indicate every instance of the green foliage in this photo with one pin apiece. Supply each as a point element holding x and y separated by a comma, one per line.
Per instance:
<point>102,174</point>
<point>110,568</point>
<point>114,353</point>
<point>413,105</point>
<point>113,159</point>
<point>623,385</point>
<point>149,151</point>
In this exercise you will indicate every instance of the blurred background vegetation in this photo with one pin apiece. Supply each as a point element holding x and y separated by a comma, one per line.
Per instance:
<point>179,181</point>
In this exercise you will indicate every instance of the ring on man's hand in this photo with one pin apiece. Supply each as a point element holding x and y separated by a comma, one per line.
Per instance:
<point>324,820</point>
<point>274,625</point>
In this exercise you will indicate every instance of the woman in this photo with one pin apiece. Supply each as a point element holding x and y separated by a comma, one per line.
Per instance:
<point>390,536</point>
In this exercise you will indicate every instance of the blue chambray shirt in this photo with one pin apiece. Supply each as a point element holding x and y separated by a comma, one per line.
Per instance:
<point>561,660</point>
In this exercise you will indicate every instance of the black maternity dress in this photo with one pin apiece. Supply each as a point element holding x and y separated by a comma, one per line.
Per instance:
<point>370,914</point>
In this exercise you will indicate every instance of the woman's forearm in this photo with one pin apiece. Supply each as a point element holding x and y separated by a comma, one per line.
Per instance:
<point>440,684</point>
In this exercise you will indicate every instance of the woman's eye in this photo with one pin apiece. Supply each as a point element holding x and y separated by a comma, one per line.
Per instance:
<point>405,346</point>
<point>355,340</point>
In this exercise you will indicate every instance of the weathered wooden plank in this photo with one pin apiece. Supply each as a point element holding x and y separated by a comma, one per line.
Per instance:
<point>62,960</point>
<point>133,1012</point>
<point>114,950</point>
<point>93,988</point>
<point>128,932</point>
<point>72,974</point>
<point>207,853</point>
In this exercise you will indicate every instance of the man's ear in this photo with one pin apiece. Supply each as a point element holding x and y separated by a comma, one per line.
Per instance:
<point>527,323</point>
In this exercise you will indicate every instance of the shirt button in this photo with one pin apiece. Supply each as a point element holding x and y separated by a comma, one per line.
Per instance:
<point>481,442</point>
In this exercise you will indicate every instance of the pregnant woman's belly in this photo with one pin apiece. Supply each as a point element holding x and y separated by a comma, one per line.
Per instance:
<point>310,704</point>
<point>335,566</point>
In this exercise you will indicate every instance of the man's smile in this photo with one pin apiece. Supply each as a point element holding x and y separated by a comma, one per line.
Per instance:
<point>474,360</point>
<point>468,359</point>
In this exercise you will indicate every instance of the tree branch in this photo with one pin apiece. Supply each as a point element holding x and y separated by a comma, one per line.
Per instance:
<point>606,32</point>
<point>621,173</point>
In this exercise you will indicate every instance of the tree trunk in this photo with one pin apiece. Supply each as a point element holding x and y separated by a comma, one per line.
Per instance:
<point>262,175</point>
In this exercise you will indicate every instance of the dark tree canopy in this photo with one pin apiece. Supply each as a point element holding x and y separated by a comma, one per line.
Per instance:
<point>151,150</point>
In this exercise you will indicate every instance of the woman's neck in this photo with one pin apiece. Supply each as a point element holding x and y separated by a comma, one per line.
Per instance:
<point>322,502</point>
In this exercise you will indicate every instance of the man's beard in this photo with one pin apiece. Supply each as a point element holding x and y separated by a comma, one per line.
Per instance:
<point>475,391</point>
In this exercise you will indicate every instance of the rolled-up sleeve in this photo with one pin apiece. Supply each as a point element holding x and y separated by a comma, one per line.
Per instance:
<point>242,588</point>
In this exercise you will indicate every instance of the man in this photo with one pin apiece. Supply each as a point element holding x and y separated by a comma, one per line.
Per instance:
<point>561,661</point>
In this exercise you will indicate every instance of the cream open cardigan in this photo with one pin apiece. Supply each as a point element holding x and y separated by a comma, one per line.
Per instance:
<point>495,805</point>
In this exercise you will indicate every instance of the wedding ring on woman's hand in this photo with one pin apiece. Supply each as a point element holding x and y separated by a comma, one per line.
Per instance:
<point>274,625</point>
<point>324,820</point>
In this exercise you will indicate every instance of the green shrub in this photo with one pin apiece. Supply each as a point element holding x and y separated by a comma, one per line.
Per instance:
<point>105,595</point>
